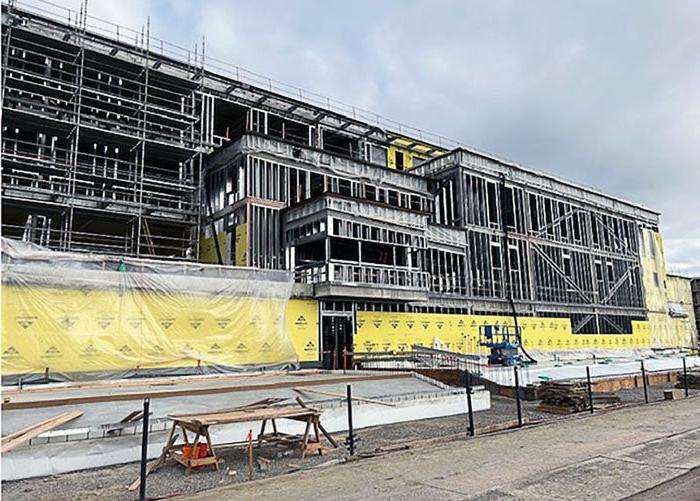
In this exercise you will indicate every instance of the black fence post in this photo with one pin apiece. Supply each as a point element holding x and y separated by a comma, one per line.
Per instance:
<point>644,383</point>
<point>590,388</point>
<point>517,396</point>
<point>470,412</point>
<point>144,449</point>
<point>685,378</point>
<point>350,441</point>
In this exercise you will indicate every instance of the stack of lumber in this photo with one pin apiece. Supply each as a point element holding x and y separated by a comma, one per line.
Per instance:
<point>567,397</point>
<point>563,397</point>
<point>602,400</point>
<point>19,437</point>
<point>693,380</point>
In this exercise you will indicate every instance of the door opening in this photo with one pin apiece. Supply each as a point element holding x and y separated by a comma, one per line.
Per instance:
<point>337,342</point>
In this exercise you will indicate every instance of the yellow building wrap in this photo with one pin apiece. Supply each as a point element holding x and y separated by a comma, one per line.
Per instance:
<point>396,332</point>
<point>70,331</point>
<point>659,290</point>
<point>302,324</point>
<point>72,314</point>
<point>681,328</point>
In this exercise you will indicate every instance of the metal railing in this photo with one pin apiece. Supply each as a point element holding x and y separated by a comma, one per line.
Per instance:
<point>364,274</point>
<point>372,274</point>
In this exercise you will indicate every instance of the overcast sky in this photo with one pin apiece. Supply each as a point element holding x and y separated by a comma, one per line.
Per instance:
<point>603,93</point>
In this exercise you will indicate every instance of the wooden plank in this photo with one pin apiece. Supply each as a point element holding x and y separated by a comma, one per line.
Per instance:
<point>195,463</point>
<point>340,395</point>
<point>243,415</point>
<point>131,416</point>
<point>125,383</point>
<point>210,460</point>
<point>260,404</point>
<point>38,429</point>
<point>188,392</point>
<point>21,432</point>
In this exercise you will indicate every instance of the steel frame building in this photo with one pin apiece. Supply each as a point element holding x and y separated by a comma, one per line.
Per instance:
<point>117,142</point>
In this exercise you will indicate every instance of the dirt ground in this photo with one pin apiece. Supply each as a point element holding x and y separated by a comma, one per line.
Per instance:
<point>110,482</point>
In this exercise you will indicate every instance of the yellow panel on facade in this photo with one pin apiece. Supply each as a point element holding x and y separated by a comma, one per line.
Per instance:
<point>397,332</point>
<point>411,156</point>
<point>241,245</point>
<point>302,325</point>
<point>660,289</point>
<point>69,330</point>
<point>207,249</point>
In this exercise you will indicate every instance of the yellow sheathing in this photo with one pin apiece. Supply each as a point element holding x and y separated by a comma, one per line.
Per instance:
<point>302,324</point>
<point>70,330</point>
<point>412,155</point>
<point>241,245</point>
<point>207,249</point>
<point>652,262</point>
<point>396,332</point>
<point>653,277</point>
<point>665,331</point>
<point>681,331</point>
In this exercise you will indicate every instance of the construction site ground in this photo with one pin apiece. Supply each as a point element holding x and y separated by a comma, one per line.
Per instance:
<point>611,455</point>
<point>111,482</point>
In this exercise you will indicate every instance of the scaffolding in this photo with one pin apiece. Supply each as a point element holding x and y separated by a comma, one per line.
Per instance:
<point>105,129</point>
<point>99,153</point>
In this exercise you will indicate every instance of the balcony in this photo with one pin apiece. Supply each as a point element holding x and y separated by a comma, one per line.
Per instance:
<point>370,281</point>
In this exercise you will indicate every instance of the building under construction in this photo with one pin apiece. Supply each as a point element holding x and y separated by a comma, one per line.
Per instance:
<point>118,143</point>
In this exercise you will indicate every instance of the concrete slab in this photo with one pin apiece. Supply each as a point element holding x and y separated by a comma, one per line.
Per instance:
<point>535,374</point>
<point>134,388</point>
<point>96,414</point>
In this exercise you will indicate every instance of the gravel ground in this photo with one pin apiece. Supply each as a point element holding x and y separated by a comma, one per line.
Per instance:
<point>655,393</point>
<point>110,482</point>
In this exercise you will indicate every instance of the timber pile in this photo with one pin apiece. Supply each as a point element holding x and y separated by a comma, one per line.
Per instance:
<point>563,397</point>
<point>693,380</point>
<point>568,397</point>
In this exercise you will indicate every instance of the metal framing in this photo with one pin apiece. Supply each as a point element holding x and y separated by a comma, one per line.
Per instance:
<point>111,135</point>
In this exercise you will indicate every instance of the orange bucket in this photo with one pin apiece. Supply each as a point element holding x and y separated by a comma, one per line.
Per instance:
<point>186,452</point>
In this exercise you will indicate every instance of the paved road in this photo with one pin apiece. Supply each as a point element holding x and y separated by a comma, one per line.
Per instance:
<point>685,488</point>
<point>603,457</point>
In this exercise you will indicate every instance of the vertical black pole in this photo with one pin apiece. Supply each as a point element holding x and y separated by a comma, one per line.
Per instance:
<point>517,396</point>
<point>685,378</point>
<point>644,382</point>
<point>590,388</point>
<point>335,347</point>
<point>351,433</point>
<point>144,449</point>
<point>470,411</point>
